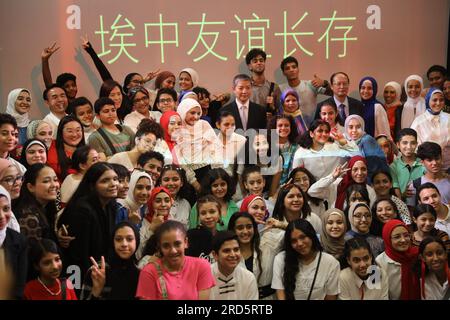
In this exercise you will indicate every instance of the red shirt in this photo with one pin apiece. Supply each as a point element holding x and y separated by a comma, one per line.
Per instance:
<point>34,290</point>
<point>52,160</point>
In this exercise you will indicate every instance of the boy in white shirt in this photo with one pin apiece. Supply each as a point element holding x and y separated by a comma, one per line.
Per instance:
<point>233,282</point>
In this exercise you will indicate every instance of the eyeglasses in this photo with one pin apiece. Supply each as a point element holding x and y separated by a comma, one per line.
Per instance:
<point>364,216</point>
<point>10,181</point>
<point>405,235</point>
<point>168,100</point>
<point>341,84</point>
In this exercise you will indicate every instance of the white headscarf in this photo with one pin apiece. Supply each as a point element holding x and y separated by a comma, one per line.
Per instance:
<point>347,121</point>
<point>186,105</point>
<point>5,193</point>
<point>398,91</point>
<point>413,107</point>
<point>22,119</point>
<point>193,74</point>
<point>130,202</point>
<point>352,210</point>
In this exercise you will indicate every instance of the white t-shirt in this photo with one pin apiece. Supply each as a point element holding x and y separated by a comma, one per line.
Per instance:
<point>239,285</point>
<point>327,281</point>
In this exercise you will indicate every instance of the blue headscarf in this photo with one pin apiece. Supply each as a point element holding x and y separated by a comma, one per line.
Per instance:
<point>430,93</point>
<point>369,106</point>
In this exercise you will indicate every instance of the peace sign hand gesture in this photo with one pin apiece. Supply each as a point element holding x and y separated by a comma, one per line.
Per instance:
<point>340,170</point>
<point>46,54</point>
<point>98,276</point>
<point>151,75</point>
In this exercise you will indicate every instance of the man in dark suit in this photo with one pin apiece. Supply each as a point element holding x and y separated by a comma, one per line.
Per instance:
<point>346,105</point>
<point>248,115</point>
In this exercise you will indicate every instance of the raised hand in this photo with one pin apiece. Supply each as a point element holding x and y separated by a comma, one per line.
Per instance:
<point>340,170</point>
<point>337,135</point>
<point>134,216</point>
<point>317,82</point>
<point>85,42</point>
<point>46,54</point>
<point>98,276</point>
<point>151,75</point>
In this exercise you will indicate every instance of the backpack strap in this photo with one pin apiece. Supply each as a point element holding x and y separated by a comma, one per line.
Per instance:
<point>105,137</point>
<point>272,87</point>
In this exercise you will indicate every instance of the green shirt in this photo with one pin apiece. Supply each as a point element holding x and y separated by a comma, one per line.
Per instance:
<point>232,208</point>
<point>401,175</point>
<point>122,141</point>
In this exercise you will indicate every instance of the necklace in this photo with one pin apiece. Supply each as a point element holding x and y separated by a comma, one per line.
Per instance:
<point>48,290</point>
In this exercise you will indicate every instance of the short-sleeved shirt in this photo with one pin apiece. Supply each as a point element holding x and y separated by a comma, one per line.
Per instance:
<point>352,287</point>
<point>327,281</point>
<point>239,285</point>
<point>394,273</point>
<point>122,141</point>
<point>194,276</point>
<point>401,175</point>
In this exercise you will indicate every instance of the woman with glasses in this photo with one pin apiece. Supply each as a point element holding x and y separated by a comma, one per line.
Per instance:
<point>11,180</point>
<point>148,138</point>
<point>140,98</point>
<point>70,136</point>
<point>398,260</point>
<point>360,220</point>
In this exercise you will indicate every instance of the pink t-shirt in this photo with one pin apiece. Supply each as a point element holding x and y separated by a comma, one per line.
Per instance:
<point>184,285</point>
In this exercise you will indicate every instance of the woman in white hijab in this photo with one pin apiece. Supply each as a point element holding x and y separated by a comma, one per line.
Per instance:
<point>138,194</point>
<point>415,104</point>
<point>19,104</point>
<point>197,146</point>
